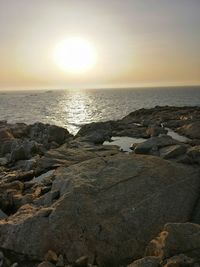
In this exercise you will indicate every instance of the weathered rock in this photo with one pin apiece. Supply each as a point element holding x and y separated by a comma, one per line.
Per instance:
<point>3,161</point>
<point>57,134</point>
<point>150,261</point>
<point>60,261</point>
<point>81,262</point>
<point>172,151</point>
<point>1,258</point>
<point>45,133</point>
<point>18,153</point>
<point>5,135</point>
<point>104,209</point>
<point>3,215</point>
<point>180,260</point>
<point>46,264</point>
<point>194,154</point>
<point>51,256</point>
<point>152,145</point>
<point>176,238</point>
<point>96,133</point>
<point>192,130</point>
<point>154,130</point>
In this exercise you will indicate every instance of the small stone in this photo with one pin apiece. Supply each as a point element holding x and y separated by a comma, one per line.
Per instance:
<point>51,256</point>
<point>15,264</point>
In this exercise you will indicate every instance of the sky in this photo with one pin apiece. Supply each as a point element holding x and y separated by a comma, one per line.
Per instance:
<point>137,42</point>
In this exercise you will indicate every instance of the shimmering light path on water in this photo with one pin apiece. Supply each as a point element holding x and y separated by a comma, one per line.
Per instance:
<point>73,108</point>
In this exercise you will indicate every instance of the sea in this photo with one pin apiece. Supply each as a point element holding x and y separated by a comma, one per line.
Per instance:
<point>73,108</point>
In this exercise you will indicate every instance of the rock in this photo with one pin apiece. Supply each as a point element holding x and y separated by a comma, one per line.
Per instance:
<point>104,209</point>
<point>194,154</point>
<point>17,185</point>
<point>3,161</point>
<point>18,153</point>
<point>57,134</point>
<point>60,261</point>
<point>191,130</point>
<point>172,151</point>
<point>5,135</point>
<point>1,259</point>
<point>180,260</point>
<point>46,264</point>
<point>96,133</point>
<point>176,238</point>
<point>45,134</point>
<point>51,256</point>
<point>150,261</point>
<point>81,262</point>
<point>152,145</point>
<point>3,215</point>
<point>154,130</point>
<point>50,197</point>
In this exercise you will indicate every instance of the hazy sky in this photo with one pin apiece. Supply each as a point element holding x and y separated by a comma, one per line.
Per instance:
<point>138,42</point>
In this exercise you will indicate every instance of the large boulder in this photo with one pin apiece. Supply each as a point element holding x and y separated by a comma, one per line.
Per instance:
<point>45,133</point>
<point>96,132</point>
<point>107,208</point>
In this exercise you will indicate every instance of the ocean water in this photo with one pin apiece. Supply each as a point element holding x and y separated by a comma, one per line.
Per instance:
<point>73,108</point>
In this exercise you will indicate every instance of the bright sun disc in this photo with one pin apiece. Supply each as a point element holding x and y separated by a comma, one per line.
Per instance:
<point>75,55</point>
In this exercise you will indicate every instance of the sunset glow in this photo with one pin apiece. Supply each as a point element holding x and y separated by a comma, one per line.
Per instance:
<point>75,55</point>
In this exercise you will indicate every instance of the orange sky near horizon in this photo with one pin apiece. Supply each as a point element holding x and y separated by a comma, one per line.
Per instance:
<point>138,42</point>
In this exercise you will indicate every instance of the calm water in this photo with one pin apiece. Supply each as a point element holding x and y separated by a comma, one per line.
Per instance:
<point>73,108</point>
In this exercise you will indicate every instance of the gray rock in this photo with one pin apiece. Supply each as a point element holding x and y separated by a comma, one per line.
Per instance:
<point>18,153</point>
<point>3,161</point>
<point>194,154</point>
<point>3,215</point>
<point>51,256</point>
<point>172,151</point>
<point>96,133</point>
<point>1,259</point>
<point>104,209</point>
<point>46,264</point>
<point>180,260</point>
<point>152,145</point>
<point>81,262</point>
<point>192,130</point>
<point>60,261</point>
<point>154,130</point>
<point>150,261</point>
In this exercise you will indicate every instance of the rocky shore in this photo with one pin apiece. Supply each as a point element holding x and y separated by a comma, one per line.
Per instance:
<point>73,201</point>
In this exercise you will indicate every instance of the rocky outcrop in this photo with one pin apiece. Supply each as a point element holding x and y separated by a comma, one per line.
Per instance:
<point>21,142</point>
<point>71,201</point>
<point>96,133</point>
<point>103,209</point>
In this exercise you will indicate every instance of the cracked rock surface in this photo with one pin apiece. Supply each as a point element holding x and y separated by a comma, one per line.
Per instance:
<point>94,205</point>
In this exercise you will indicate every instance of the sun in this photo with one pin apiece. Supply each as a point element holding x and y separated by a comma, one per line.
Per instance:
<point>75,55</point>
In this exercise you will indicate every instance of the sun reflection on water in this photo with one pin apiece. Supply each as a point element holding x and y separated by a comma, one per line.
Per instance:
<point>75,107</point>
